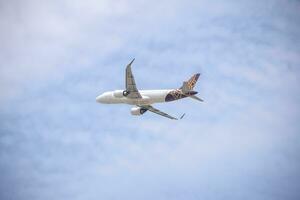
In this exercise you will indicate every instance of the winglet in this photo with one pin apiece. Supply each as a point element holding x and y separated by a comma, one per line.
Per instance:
<point>182,116</point>
<point>131,61</point>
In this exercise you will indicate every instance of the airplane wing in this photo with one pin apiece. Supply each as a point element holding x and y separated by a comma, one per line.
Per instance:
<point>154,110</point>
<point>133,92</point>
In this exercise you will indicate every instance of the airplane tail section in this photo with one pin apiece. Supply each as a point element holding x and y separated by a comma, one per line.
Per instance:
<point>188,86</point>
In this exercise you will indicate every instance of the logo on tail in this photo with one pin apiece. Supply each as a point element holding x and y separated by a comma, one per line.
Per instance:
<point>190,84</point>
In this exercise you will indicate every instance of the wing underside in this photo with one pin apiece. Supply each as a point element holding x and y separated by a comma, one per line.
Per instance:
<point>156,111</point>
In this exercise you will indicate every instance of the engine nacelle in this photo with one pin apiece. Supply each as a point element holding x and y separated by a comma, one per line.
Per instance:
<point>125,93</point>
<point>138,111</point>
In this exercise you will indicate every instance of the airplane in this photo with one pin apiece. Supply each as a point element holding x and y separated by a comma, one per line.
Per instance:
<point>143,99</point>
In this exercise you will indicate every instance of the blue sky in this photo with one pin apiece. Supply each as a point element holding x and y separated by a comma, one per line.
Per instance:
<point>56,142</point>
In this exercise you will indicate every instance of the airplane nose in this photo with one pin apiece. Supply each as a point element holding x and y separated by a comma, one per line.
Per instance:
<point>99,99</point>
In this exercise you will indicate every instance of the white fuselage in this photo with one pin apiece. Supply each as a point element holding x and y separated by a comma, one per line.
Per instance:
<point>148,97</point>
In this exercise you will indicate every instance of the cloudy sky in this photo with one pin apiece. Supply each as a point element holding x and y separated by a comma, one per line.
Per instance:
<point>56,142</point>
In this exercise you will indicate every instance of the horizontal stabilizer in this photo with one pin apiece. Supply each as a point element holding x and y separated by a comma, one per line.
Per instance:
<point>196,98</point>
<point>190,93</point>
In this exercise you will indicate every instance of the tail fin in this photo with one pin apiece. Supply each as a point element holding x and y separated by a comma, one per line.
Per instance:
<point>190,84</point>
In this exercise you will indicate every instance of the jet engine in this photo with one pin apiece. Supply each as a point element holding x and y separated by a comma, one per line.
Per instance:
<point>138,111</point>
<point>125,93</point>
